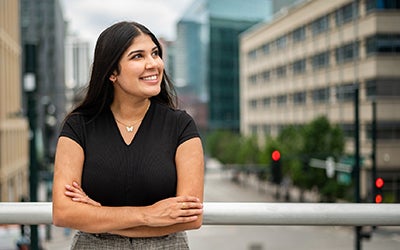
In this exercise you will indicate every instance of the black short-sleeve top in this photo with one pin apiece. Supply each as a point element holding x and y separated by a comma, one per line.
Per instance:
<point>138,174</point>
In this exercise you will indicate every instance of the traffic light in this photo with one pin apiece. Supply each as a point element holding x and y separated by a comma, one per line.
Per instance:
<point>276,171</point>
<point>379,182</point>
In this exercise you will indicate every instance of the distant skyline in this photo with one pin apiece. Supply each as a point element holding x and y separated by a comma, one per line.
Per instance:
<point>88,18</point>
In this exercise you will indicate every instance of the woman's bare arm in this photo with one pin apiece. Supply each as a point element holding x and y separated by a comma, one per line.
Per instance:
<point>190,168</point>
<point>97,219</point>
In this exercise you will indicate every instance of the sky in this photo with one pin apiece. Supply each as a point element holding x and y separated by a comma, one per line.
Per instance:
<point>88,18</point>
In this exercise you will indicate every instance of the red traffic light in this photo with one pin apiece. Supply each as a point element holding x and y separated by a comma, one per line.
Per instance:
<point>276,155</point>
<point>379,182</point>
<point>378,198</point>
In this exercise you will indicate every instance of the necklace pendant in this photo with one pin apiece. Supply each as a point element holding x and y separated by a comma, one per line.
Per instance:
<point>129,129</point>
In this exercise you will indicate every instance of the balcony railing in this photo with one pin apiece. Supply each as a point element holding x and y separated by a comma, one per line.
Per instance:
<point>244,213</point>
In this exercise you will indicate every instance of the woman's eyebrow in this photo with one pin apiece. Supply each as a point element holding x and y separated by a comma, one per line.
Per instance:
<point>141,50</point>
<point>135,51</point>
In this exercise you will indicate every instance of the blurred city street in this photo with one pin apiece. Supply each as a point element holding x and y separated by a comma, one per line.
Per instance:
<point>219,187</point>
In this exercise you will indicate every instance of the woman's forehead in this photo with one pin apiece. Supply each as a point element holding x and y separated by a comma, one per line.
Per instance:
<point>143,41</point>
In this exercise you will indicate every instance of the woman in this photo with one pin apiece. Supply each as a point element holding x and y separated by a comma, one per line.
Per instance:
<point>128,148</point>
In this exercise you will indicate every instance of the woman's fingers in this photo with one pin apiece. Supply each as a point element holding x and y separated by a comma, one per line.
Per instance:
<point>191,205</point>
<point>174,210</point>
<point>76,193</point>
<point>187,198</point>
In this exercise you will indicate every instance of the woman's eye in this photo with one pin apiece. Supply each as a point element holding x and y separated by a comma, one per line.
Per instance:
<point>137,56</point>
<point>155,53</point>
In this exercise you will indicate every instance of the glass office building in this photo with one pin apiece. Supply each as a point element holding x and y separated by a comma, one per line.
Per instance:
<point>207,55</point>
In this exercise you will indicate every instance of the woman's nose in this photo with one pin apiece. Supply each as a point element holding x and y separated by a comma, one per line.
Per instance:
<point>150,62</point>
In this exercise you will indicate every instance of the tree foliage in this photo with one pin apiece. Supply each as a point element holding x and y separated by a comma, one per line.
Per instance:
<point>297,144</point>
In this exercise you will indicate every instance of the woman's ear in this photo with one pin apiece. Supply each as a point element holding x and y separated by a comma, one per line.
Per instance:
<point>113,77</point>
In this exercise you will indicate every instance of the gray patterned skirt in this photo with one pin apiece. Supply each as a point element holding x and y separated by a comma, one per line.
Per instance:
<point>87,241</point>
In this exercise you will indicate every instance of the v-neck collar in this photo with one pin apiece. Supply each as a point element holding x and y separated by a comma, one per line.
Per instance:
<point>138,131</point>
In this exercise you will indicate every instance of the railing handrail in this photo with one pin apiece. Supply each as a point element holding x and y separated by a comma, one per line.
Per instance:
<point>244,213</point>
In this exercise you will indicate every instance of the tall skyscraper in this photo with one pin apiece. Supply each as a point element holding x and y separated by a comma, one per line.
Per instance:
<point>207,59</point>
<point>77,67</point>
<point>43,27</point>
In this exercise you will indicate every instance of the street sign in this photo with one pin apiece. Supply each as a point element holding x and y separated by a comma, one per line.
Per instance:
<point>330,166</point>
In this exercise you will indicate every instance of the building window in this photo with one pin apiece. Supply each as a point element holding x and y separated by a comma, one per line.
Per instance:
<point>382,4</point>
<point>320,95</point>
<point>281,71</point>
<point>253,104</point>
<point>299,98</point>
<point>348,130</point>
<point>265,49</point>
<point>266,102</point>
<point>266,129</point>
<point>383,43</point>
<point>370,88</point>
<point>252,55</point>
<point>345,92</point>
<point>281,42</point>
<point>299,34</point>
<point>299,66</point>
<point>320,60</point>
<point>253,79</point>
<point>253,129</point>
<point>320,25</point>
<point>281,100</point>
<point>347,52</point>
<point>389,130</point>
<point>383,87</point>
<point>346,13</point>
<point>266,75</point>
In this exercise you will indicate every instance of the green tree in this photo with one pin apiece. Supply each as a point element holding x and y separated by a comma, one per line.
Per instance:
<point>297,144</point>
<point>248,151</point>
<point>223,145</point>
<point>321,140</point>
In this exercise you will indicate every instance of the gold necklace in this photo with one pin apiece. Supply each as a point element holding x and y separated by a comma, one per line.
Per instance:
<point>129,128</point>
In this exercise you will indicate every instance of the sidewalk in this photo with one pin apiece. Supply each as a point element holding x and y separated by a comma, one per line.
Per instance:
<point>61,239</point>
<point>10,235</point>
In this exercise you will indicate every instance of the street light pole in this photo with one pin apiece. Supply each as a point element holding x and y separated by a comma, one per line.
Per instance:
<point>30,90</point>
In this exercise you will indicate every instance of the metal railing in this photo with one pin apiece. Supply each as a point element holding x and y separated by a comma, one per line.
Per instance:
<point>244,213</point>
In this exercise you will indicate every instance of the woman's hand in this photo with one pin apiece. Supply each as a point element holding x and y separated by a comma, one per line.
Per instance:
<point>170,211</point>
<point>76,193</point>
<point>167,212</point>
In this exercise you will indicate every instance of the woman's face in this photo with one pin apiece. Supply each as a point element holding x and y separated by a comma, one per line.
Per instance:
<point>141,69</point>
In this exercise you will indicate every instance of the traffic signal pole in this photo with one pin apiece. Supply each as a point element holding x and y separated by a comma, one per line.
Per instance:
<point>356,169</point>
<point>373,156</point>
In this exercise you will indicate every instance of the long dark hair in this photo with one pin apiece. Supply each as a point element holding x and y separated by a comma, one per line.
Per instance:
<point>110,46</point>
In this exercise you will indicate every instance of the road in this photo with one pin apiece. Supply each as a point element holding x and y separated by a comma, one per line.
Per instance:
<point>219,187</point>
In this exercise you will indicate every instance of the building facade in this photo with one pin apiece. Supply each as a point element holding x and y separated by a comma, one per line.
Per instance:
<point>43,28</point>
<point>14,131</point>
<point>207,56</point>
<point>306,63</point>
<point>77,68</point>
